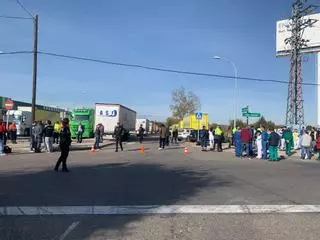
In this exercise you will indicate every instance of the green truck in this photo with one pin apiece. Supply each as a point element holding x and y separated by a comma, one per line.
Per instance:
<point>86,117</point>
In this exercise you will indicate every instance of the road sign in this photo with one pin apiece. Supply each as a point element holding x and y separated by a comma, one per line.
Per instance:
<point>245,110</point>
<point>8,105</point>
<point>198,115</point>
<point>251,114</point>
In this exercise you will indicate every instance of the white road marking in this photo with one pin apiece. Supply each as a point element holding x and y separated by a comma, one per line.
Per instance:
<point>156,209</point>
<point>69,230</point>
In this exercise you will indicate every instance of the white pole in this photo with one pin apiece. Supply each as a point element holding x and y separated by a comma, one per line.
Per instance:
<point>318,88</point>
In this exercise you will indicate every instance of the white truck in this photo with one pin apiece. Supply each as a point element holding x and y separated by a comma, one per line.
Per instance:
<point>145,124</point>
<point>110,114</point>
<point>22,119</point>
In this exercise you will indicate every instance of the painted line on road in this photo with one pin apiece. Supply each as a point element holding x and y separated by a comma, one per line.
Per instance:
<point>156,209</point>
<point>69,230</point>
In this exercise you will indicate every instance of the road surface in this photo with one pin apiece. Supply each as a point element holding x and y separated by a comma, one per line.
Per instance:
<point>158,195</point>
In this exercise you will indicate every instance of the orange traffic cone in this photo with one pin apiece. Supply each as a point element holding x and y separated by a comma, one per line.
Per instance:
<point>142,149</point>
<point>186,151</point>
<point>92,149</point>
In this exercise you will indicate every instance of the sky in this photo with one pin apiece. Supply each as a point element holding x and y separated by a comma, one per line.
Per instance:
<point>179,34</point>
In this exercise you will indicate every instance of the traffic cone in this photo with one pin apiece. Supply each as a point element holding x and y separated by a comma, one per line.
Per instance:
<point>92,149</point>
<point>142,149</point>
<point>186,151</point>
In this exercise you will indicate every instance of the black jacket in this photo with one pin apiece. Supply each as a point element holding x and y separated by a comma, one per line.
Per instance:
<point>274,139</point>
<point>118,131</point>
<point>48,131</point>
<point>65,136</point>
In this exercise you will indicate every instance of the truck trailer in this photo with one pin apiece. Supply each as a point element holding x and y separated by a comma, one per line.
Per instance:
<point>109,114</point>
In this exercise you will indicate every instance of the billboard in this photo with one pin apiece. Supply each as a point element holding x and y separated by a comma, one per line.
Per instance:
<point>310,33</point>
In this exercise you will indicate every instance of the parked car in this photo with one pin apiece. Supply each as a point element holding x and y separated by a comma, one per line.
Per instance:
<point>183,134</point>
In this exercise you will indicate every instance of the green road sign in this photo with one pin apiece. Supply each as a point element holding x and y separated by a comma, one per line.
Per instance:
<point>251,114</point>
<point>244,110</point>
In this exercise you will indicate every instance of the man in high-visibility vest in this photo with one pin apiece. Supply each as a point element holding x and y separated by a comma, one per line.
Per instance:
<point>56,132</point>
<point>13,132</point>
<point>218,136</point>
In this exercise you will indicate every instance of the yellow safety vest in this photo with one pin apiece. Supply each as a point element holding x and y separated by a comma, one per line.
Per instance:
<point>218,132</point>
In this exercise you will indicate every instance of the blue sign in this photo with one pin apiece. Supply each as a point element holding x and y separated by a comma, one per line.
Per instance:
<point>108,113</point>
<point>198,115</point>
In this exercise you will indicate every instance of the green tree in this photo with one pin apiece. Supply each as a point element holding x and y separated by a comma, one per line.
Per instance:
<point>239,123</point>
<point>261,121</point>
<point>184,103</point>
<point>171,121</point>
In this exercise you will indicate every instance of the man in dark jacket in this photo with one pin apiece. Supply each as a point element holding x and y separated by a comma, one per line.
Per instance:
<point>118,134</point>
<point>101,128</point>
<point>246,137</point>
<point>162,131</point>
<point>141,132</point>
<point>65,142</point>
<point>274,139</point>
<point>97,137</point>
<point>203,138</point>
<point>38,136</point>
<point>48,136</point>
<point>175,135</point>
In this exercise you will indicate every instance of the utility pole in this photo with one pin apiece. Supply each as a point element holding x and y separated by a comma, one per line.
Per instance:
<point>35,66</point>
<point>298,23</point>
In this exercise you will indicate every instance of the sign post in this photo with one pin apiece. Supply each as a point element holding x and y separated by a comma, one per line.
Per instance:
<point>8,105</point>
<point>198,117</point>
<point>247,114</point>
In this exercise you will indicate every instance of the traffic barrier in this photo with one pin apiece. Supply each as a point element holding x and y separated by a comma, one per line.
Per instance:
<point>186,151</point>
<point>92,149</point>
<point>142,149</point>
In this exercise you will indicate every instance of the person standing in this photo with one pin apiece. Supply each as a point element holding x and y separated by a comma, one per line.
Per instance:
<point>259,144</point>
<point>306,145</point>
<point>32,139</point>
<point>13,132</point>
<point>203,138</point>
<point>141,132</point>
<point>167,136</point>
<point>245,139</point>
<point>274,139</point>
<point>211,138</point>
<point>56,134</point>
<point>80,133</point>
<point>48,136</point>
<point>287,136</point>
<point>264,140</point>
<point>38,135</point>
<point>175,135</point>
<point>118,133</point>
<point>65,142</point>
<point>162,132</point>
<point>97,137</point>
<point>237,143</point>
<point>295,136</point>
<point>318,143</point>
<point>233,132</point>
<point>218,139</point>
<point>101,128</point>
<point>3,132</point>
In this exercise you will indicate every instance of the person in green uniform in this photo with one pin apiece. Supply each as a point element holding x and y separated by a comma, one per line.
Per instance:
<point>288,137</point>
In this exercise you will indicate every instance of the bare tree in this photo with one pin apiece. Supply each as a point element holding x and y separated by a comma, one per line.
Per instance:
<point>184,103</point>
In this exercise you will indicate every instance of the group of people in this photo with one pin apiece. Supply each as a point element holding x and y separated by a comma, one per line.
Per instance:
<point>7,133</point>
<point>270,141</point>
<point>165,135</point>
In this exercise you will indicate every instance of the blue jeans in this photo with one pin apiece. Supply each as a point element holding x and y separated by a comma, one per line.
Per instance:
<point>304,151</point>
<point>96,144</point>
<point>1,145</point>
<point>203,142</point>
<point>264,149</point>
<point>246,146</point>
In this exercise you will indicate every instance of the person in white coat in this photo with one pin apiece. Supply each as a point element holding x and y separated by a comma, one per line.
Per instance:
<point>259,144</point>
<point>211,138</point>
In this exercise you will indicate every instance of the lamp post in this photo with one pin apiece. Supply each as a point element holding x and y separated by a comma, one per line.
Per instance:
<point>235,85</point>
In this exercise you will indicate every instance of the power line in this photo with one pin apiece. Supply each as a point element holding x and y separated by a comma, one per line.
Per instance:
<point>153,68</point>
<point>166,69</point>
<point>14,17</point>
<point>24,9</point>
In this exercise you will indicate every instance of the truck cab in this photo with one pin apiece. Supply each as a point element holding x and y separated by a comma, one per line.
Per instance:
<point>86,117</point>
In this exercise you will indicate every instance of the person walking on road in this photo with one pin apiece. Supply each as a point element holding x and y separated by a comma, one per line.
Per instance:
<point>274,140</point>
<point>48,137</point>
<point>140,133</point>
<point>65,142</point>
<point>80,133</point>
<point>97,137</point>
<point>13,132</point>
<point>3,132</point>
<point>246,137</point>
<point>162,132</point>
<point>118,133</point>
<point>174,135</point>
<point>38,135</point>
<point>57,130</point>
<point>101,128</point>
<point>306,146</point>
<point>237,143</point>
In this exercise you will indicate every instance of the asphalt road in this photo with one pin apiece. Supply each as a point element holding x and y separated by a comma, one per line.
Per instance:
<point>169,184</point>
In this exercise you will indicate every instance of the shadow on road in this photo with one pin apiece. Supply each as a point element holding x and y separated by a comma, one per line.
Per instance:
<point>105,184</point>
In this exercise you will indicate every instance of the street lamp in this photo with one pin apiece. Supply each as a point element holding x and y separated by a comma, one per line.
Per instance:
<point>235,85</point>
